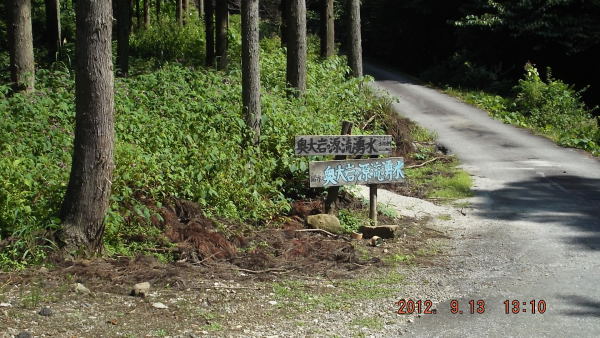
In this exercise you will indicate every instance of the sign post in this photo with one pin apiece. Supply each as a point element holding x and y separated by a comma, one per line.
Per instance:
<point>333,174</point>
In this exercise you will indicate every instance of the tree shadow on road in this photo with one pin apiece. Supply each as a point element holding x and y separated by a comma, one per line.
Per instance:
<point>567,200</point>
<point>584,306</point>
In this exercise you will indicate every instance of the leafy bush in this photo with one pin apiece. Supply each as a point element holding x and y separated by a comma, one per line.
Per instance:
<point>549,107</point>
<point>179,134</point>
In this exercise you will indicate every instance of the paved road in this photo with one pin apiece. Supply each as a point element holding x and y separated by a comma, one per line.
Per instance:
<point>533,231</point>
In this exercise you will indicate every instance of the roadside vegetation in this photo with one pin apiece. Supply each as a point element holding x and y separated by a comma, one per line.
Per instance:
<point>547,106</point>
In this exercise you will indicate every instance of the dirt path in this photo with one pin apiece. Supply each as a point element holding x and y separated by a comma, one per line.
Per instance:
<point>533,230</point>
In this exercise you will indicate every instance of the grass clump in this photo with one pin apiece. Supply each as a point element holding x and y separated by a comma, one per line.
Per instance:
<point>549,107</point>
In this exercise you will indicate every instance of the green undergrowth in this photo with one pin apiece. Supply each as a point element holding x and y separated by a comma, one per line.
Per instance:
<point>548,106</point>
<point>180,134</point>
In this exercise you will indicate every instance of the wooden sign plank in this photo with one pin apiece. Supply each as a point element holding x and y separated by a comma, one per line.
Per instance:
<point>310,145</point>
<point>348,172</point>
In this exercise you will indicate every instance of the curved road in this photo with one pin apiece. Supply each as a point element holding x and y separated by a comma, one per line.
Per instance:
<point>533,232</point>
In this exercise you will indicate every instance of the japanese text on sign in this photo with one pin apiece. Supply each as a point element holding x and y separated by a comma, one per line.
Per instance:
<point>367,171</point>
<point>343,145</point>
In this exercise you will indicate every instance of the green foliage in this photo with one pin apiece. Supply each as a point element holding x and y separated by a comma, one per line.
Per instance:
<point>351,220</point>
<point>180,133</point>
<point>551,107</point>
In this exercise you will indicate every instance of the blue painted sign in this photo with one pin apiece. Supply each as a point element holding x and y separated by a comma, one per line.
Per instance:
<point>349,172</point>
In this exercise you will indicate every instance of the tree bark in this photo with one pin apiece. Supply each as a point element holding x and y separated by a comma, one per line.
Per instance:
<point>158,3</point>
<point>138,16</point>
<point>355,40</point>
<point>146,14</point>
<point>87,196</point>
<point>222,23</point>
<point>53,38</point>
<point>123,31</point>
<point>296,52</point>
<point>20,39</point>
<point>200,5</point>
<point>179,12</point>
<point>327,29</point>
<point>284,9</point>
<point>251,68</point>
<point>209,27</point>
<point>185,4</point>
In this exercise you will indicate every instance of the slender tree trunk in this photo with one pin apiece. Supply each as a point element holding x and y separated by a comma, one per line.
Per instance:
<point>158,3</point>
<point>138,16</point>
<point>327,29</point>
<point>355,40</point>
<point>20,38</point>
<point>209,27</point>
<point>185,6</point>
<point>88,193</point>
<point>53,38</point>
<point>146,14</point>
<point>131,11</point>
<point>251,67</point>
<point>179,12</point>
<point>222,22</point>
<point>123,27</point>
<point>200,5</point>
<point>296,52</point>
<point>284,9</point>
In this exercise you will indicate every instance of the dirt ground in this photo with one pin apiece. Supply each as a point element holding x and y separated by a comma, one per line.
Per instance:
<point>218,287</point>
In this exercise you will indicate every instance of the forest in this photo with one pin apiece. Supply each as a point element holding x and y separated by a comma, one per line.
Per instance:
<point>153,141</point>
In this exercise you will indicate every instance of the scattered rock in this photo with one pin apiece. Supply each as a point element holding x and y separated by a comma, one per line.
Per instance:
<point>5,305</point>
<point>325,222</point>
<point>46,312</point>
<point>383,231</point>
<point>43,269</point>
<point>159,306</point>
<point>272,302</point>
<point>140,289</point>
<point>376,241</point>
<point>80,288</point>
<point>24,334</point>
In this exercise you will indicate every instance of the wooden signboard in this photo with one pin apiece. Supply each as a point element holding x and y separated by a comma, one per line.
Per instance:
<point>343,145</point>
<point>348,172</point>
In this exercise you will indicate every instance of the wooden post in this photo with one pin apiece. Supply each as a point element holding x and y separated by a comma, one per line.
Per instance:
<point>373,201</point>
<point>332,192</point>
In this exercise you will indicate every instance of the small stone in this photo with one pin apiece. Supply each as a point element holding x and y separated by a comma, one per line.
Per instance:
<point>383,231</point>
<point>43,269</point>
<point>140,289</point>
<point>159,306</point>
<point>5,305</point>
<point>272,302</point>
<point>325,222</point>
<point>45,311</point>
<point>24,334</point>
<point>329,286</point>
<point>80,288</point>
<point>411,320</point>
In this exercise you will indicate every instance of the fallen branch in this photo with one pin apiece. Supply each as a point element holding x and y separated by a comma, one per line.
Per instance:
<point>324,232</point>
<point>262,271</point>
<point>424,163</point>
<point>368,121</point>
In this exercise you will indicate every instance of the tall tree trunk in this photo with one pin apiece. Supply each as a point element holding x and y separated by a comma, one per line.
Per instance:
<point>158,3</point>
<point>284,9</point>
<point>209,28</point>
<point>123,27</point>
<point>296,52</point>
<point>53,37</point>
<point>146,14</point>
<point>88,193</point>
<point>327,29</point>
<point>179,12</point>
<point>185,4</point>
<point>200,5</point>
<point>251,67</point>
<point>138,16</point>
<point>355,40</point>
<point>20,39</point>
<point>222,22</point>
